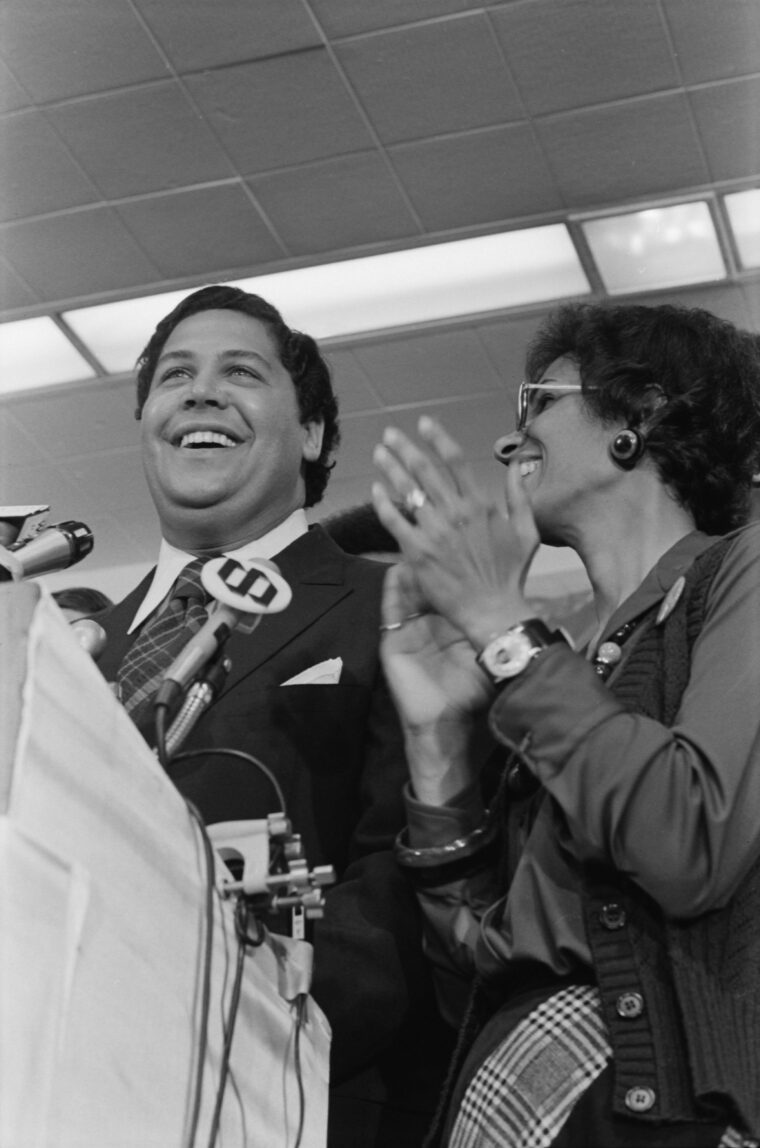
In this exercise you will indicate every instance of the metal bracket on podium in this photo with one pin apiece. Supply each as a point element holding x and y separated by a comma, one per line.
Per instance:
<point>264,861</point>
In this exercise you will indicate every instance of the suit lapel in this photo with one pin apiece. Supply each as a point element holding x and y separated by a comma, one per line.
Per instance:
<point>315,569</point>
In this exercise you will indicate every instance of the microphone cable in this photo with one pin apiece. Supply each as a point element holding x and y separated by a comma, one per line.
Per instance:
<point>213,751</point>
<point>301,1009</point>
<point>244,942</point>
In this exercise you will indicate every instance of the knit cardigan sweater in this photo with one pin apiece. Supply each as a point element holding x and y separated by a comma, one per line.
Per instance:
<point>693,1051</point>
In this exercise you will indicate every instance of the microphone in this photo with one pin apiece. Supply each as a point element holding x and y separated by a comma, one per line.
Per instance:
<point>244,590</point>
<point>52,549</point>
<point>90,635</point>
<point>197,700</point>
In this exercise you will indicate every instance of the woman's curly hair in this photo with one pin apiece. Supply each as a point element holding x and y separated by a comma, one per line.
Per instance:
<point>689,380</point>
<point>299,355</point>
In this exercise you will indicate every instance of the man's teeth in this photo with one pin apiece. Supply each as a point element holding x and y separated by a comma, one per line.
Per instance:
<point>528,466</point>
<point>206,438</point>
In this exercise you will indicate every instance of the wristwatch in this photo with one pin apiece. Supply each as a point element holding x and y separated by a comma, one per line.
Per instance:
<point>510,653</point>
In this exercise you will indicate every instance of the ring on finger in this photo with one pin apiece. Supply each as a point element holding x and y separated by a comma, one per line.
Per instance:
<point>414,500</point>
<point>389,627</point>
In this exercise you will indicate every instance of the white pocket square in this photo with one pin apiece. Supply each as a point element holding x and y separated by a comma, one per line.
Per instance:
<point>323,674</point>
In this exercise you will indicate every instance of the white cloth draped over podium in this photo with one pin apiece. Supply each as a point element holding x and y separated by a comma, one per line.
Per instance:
<point>102,932</point>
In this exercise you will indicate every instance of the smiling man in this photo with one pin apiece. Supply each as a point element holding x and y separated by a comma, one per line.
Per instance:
<point>239,423</point>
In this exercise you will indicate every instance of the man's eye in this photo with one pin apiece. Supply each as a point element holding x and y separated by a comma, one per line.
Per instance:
<point>245,372</point>
<point>172,373</point>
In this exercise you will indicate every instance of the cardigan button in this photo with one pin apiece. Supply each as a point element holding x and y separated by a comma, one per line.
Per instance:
<point>629,1005</point>
<point>640,1099</point>
<point>612,916</point>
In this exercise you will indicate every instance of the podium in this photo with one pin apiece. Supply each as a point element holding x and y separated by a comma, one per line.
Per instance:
<point>103,928</point>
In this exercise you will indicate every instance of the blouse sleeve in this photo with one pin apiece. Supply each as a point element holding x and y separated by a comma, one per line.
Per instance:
<point>676,809</point>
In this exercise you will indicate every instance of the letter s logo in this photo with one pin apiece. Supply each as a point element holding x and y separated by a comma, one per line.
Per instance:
<point>254,586</point>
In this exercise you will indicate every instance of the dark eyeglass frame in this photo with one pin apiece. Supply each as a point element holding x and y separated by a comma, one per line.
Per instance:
<point>523,399</point>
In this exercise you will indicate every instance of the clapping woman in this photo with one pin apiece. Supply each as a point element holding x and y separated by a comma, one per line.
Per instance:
<point>606,905</point>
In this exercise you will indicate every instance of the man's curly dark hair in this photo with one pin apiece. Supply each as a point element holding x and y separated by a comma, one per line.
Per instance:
<point>299,355</point>
<point>689,380</point>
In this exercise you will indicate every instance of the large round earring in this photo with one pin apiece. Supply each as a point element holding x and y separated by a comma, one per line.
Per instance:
<point>627,448</point>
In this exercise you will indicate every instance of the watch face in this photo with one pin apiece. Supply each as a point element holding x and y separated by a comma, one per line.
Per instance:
<point>508,655</point>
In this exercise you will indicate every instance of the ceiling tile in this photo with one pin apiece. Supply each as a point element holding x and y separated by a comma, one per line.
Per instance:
<point>64,257</point>
<point>506,342</point>
<point>360,434</point>
<point>58,50</point>
<point>728,119</point>
<point>12,95</point>
<point>145,139</point>
<point>14,292</point>
<point>429,367</point>
<point>346,17</point>
<point>203,35</point>
<point>39,174</point>
<point>301,111</point>
<point>80,420</point>
<point>619,152</point>
<point>566,55</point>
<point>17,448</point>
<point>477,177</point>
<point>725,300</point>
<point>412,82</point>
<point>342,203</point>
<point>50,485</point>
<point>140,523</point>
<point>112,545</point>
<point>119,472</point>
<point>352,387</point>
<point>715,41</point>
<point>475,422</point>
<point>751,293</point>
<point>195,232</point>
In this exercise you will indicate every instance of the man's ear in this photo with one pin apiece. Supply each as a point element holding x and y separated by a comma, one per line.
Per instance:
<point>312,442</point>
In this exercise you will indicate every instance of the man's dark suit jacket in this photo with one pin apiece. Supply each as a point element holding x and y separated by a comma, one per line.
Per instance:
<point>337,752</point>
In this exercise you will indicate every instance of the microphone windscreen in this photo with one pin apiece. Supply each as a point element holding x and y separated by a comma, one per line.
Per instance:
<point>91,636</point>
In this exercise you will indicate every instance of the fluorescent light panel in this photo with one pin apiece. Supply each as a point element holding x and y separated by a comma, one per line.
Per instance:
<point>117,332</point>
<point>658,247</point>
<point>396,289</point>
<point>634,251</point>
<point>743,209</point>
<point>443,281</point>
<point>36,353</point>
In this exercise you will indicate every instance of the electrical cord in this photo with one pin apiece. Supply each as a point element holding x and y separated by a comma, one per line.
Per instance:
<point>212,751</point>
<point>244,942</point>
<point>301,1009</point>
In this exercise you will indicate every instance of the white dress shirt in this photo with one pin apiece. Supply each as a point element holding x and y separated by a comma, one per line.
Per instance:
<point>171,560</point>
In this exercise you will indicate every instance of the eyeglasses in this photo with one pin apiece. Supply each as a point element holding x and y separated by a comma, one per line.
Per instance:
<point>526,406</point>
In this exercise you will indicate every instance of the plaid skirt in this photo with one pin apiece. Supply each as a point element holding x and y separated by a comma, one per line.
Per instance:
<point>541,1075</point>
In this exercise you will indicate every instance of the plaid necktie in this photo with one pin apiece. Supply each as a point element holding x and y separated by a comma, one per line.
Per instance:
<point>162,638</point>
